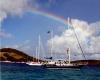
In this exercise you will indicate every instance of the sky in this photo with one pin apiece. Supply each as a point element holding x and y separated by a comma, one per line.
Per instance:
<point>22,21</point>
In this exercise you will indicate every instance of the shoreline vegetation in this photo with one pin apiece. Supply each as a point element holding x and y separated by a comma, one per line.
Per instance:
<point>10,55</point>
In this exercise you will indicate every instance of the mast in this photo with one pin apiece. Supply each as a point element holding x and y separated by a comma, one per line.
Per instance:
<point>36,54</point>
<point>38,48</point>
<point>68,52</point>
<point>51,44</point>
<point>33,57</point>
<point>42,49</point>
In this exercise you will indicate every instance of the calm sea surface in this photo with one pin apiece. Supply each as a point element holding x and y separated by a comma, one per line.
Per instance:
<point>24,72</point>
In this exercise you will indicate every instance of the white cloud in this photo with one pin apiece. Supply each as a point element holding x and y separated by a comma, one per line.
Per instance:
<point>88,35</point>
<point>12,7</point>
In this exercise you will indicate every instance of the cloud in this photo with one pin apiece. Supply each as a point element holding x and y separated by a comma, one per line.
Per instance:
<point>88,35</point>
<point>12,7</point>
<point>15,8</point>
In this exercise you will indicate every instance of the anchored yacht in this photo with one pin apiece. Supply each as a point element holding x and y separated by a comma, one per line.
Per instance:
<point>37,62</point>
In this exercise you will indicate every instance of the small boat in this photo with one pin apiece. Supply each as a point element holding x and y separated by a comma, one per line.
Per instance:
<point>34,63</point>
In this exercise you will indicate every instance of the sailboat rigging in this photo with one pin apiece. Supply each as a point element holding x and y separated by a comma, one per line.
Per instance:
<point>60,64</point>
<point>37,62</point>
<point>70,23</point>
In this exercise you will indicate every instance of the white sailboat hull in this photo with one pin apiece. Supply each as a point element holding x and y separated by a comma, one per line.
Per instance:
<point>58,66</point>
<point>34,64</point>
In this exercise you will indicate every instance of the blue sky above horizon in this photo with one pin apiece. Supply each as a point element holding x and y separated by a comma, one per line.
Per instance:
<point>23,30</point>
<point>87,10</point>
<point>29,27</point>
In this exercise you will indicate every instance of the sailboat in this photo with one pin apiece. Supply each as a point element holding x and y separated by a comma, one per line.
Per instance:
<point>36,63</point>
<point>63,64</point>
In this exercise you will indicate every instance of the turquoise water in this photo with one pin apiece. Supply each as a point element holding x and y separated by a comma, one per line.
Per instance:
<point>24,72</point>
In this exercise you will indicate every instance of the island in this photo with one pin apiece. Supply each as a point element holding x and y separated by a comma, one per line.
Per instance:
<point>14,55</point>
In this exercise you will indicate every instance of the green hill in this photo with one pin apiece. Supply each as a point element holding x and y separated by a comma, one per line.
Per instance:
<point>9,54</point>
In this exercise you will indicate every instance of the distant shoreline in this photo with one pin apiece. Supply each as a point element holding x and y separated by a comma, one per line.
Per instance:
<point>83,62</point>
<point>9,55</point>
